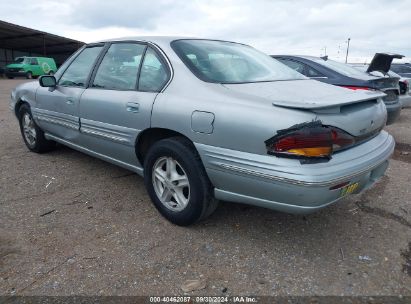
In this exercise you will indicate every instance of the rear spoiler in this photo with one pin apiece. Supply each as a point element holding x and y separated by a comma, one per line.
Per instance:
<point>333,105</point>
<point>382,62</point>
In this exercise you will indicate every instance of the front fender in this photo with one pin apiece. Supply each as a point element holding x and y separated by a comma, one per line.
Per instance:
<point>23,93</point>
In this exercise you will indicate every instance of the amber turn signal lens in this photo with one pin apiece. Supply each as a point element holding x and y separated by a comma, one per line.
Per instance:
<point>312,152</point>
<point>309,140</point>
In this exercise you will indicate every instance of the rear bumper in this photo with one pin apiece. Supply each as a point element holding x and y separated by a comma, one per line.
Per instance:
<point>393,112</point>
<point>288,186</point>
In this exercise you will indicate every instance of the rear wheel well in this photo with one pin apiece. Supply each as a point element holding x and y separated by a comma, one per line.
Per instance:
<point>149,136</point>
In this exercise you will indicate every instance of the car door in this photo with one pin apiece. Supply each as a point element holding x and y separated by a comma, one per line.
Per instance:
<point>35,67</point>
<point>118,102</point>
<point>57,110</point>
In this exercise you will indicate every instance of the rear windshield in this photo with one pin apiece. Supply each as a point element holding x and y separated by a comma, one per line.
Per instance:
<point>340,67</point>
<point>228,62</point>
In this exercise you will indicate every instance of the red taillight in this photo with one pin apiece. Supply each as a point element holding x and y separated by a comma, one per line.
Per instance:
<point>357,88</point>
<point>312,140</point>
<point>341,139</point>
<point>305,142</point>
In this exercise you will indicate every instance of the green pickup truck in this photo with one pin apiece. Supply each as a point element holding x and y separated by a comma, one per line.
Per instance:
<point>30,67</point>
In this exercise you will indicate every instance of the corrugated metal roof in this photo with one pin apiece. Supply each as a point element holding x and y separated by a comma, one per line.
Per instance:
<point>16,37</point>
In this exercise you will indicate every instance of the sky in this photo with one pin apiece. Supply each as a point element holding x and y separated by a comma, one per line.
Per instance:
<point>305,27</point>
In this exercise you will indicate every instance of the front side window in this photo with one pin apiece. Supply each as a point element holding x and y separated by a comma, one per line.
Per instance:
<point>119,67</point>
<point>228,62</point>
<point>78,71</point>
<point>154,74</point>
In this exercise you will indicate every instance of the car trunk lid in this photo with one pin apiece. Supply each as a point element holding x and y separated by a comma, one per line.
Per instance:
<point>357,112</point>
<point>304,94</point>
<point>382,62</point>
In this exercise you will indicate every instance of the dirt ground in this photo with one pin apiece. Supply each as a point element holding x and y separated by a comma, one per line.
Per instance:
<point>71,224</point>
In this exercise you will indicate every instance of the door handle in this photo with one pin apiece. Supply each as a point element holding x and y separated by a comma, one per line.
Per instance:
<point>69,100</point>
<point>133,107</point>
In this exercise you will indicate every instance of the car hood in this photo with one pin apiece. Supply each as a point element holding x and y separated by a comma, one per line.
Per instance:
<point>304,94</point>
<point>14,65</point>
<point>382,62</point>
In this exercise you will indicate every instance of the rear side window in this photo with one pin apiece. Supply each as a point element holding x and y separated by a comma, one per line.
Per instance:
<point>153,74</point>
<point>119,68</point>
<point>78,71</point>
<point>33,61</point>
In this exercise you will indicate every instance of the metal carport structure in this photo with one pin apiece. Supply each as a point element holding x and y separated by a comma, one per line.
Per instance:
<point>16,40</point>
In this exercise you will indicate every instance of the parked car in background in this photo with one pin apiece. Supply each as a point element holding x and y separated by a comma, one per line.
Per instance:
<point>405,94</point>
<point>207,120</point>
<point>402,69</point>
<point>343,75</point>
<point>30,67</point>
<point>404,83</point>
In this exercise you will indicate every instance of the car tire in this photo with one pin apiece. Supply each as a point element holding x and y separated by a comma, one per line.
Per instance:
<point>176,163</point>
<point>10,77</point>
<point>33,136</point>
<point>51,73</point>
<point>29,75</point>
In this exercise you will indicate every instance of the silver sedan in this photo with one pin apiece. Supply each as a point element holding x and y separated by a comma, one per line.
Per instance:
<point>207,120</point>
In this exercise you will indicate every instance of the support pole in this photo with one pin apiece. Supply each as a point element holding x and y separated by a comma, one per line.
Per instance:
<point>348,48</point>
<point>44,45</point>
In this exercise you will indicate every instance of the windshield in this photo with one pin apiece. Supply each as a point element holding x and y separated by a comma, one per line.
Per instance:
<point>228,62</point>
<point>340,67</point>
<point>19,60</point>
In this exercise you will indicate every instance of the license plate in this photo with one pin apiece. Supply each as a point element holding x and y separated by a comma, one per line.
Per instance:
<point>348,189</point>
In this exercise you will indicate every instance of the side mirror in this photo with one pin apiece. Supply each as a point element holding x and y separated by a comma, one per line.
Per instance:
<point>47,81</point>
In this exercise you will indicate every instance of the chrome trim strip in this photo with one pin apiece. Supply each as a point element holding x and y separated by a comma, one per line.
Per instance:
<point>299,182</point>
<point>56,121</point>
<point>104,135</point>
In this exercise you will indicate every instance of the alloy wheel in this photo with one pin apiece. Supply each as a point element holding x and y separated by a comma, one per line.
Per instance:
<point>171,183</point>
<point>28,129</point>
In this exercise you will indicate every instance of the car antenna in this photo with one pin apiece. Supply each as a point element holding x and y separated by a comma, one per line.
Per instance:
<point>325,58</point>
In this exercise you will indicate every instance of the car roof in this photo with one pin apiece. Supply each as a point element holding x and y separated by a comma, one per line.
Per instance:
<point>147,38</point>
<point>299,56</point>
<point>159,39</point>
